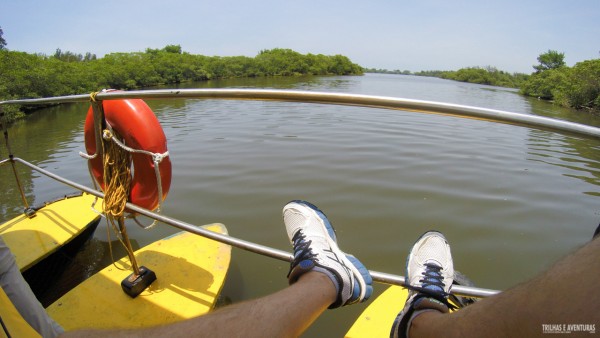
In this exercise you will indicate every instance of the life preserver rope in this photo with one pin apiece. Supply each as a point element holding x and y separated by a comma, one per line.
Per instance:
<point>156,157</point>
<point>144,138</point>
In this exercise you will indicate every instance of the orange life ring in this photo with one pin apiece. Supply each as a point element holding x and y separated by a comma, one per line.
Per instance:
<point>140,129</point>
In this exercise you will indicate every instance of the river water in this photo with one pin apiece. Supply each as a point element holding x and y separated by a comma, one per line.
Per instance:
<point>511,200</point>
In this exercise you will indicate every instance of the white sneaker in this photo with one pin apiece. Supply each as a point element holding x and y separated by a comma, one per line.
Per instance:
<point>316,249</point>
<point>429,273</point>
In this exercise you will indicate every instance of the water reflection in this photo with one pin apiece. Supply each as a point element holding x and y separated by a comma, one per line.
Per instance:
<point>169,110</point>
<point>543,108</point>
<point>42,138</point>
<point>580,157</point>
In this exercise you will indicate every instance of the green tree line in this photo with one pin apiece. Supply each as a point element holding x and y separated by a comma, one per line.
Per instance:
<point>26,75</point>
<point>488,75</point>
<point>577,87</point>
<point>386,71</point>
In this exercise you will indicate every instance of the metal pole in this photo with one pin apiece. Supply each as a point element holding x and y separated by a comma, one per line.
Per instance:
<point>125,237</point>
<point>26,209</point>
<point>99,118</point>
<point>409,105</point>
<point>246,245</point>
<point>98,113</point>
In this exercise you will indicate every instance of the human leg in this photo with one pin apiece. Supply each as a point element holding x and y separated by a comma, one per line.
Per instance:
<point>429,273</point>
<point>564,294</point>
<point>316,249</point>
<point>286,313</point>
<point>321,276</point>
<point>567,293</point>
<point>20,294</point>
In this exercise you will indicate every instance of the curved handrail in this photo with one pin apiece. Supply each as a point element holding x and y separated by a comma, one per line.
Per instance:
<point>419,106</point>
<point>308,97</point>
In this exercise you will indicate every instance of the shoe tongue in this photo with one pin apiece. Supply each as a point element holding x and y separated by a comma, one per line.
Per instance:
<point>433,262</point>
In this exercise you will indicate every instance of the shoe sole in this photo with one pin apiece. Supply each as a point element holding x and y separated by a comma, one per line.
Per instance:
<point>361,273</point>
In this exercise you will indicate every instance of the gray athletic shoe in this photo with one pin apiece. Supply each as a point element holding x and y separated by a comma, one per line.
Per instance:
<point>316,249</point>
<point>429,273</point>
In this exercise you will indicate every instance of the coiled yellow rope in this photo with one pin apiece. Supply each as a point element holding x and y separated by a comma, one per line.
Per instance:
<point>117,178</point>
<point>116,163</point>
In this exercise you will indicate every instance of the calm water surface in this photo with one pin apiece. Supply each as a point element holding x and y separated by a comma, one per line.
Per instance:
<point>511,200</point>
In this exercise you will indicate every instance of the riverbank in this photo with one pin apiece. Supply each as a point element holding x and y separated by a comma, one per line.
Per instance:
<point>575,87</point>
<point>487,76</point>
<point>35,75</point>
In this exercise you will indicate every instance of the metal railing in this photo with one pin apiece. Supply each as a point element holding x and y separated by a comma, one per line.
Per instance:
<point>305,97</point>
<point>419,106</point>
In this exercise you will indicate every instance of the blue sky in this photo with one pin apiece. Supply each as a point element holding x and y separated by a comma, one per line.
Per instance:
<point>396,34</point>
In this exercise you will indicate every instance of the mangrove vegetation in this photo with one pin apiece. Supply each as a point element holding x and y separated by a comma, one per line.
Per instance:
<point>26,75</point>
<point>488,75</point>
<point>577,87</point>
<point>574,87</point>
